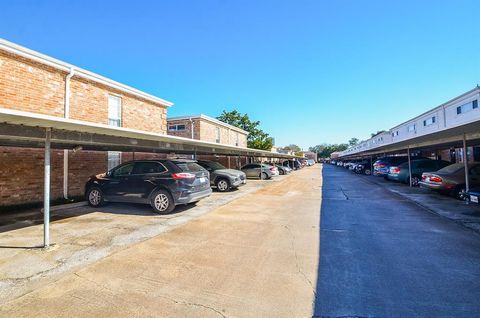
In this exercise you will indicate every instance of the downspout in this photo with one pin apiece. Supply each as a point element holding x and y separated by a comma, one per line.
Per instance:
<point>192,128</point>
<point>66,115</point>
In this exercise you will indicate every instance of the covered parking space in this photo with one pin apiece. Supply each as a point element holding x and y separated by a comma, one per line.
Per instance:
<point>25,129</point>
<point>464,136</point>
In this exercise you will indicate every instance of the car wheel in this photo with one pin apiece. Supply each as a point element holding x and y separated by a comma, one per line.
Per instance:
<point>368,172</point>
<point>95,197</point>
<point>460,193</point>
<point>415,181</point>
<point>162,202</point>
<point>222,185</point>
<point>264,176</point>
<point>281,172</point>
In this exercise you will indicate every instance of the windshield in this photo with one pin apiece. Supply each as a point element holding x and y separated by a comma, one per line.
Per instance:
<point>216,165</point>
<point>451,168</point>
<point>187,166</point>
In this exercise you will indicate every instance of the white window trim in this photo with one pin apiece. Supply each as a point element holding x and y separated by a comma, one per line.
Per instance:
<point>120,110</point>
<point>113,153</point>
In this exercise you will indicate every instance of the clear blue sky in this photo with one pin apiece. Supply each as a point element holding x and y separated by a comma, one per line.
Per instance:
<point>310,71</point>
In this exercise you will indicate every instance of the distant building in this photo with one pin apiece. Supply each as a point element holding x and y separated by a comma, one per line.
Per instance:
<point>206,128</point>
<point>310,155</point>
<point>286,151</point>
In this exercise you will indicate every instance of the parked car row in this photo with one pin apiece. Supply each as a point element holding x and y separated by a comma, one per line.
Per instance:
<point>437,175</point>
<point>166,183</point>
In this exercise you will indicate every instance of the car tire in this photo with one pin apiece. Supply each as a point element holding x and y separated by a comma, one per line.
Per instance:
<point>281,172</point>
<point>459,192</point>
<point>162,202</point>
<point>415,181</point>
<point>222,184</point>
<point>95,197</point>
<point>264,176</point>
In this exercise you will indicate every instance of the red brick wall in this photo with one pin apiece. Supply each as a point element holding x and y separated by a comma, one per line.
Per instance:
<point>30,86</point>
<point>89,102</point>
<point>82,165</point>
<point>22,173</point>
<point>127,156</point>
<point>187,133</point>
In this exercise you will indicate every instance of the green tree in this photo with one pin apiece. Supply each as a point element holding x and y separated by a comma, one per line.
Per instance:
<point>353,141</point>
<point>325,150</point>
<point>257,138</point>
<point>293,147</point>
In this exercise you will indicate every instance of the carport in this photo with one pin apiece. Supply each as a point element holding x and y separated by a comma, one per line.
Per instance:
<point>457,137</point>
<point>25,129</point>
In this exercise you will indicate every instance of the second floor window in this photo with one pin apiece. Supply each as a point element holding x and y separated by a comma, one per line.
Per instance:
<point>467,107</point>
<point>429,121</point>
<point>217,135</point>
<point>176,127</point>
<point>411,128</point>
<point>114,110</point>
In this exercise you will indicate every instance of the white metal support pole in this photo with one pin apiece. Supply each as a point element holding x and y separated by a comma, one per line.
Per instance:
<point>46,192</point>
<point>409,167</point>
<point>261,168</point>
<point>465,163</point>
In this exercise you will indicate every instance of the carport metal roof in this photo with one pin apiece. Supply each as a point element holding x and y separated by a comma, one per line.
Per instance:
<point>25,129</point>
<point>452,137</point>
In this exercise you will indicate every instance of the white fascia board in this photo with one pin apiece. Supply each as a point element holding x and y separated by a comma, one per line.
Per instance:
<point>66,67</point>
<point>17,117</point>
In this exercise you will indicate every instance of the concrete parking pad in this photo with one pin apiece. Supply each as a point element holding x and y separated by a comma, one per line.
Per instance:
<point>254,256</point>
<point>458,211</point>
<point>84,235</point>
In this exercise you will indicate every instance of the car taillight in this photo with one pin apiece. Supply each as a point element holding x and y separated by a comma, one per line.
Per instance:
<point>424,178</point>
<point>436,179</point>
<point>182,175</point>
<point>395,170</point>
<point>380,165</point>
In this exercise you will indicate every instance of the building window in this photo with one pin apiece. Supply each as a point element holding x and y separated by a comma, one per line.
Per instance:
<point>429,121</point>
<point>217,134</point>
<point>467,107</point>
<point>114,110</point>
<point>412,128</point>
<point>395,133</point>
<point>114,159</point>
<point>237,140</point>
<point>179,127</point>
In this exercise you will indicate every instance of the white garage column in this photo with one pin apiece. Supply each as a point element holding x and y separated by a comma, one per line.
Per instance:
<point>409,167</point>
<point>46,193</point>
<point>465,163</point>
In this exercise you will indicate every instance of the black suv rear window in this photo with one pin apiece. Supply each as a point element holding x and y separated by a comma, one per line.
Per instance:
<point>188,166</point>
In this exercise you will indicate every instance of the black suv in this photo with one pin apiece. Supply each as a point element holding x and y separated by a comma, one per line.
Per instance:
<point>221,177</point>
<point>161,183</point>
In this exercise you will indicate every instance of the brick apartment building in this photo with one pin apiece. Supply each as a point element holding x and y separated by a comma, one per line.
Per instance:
<point>206,128</point>
<point>203,127</point>
<point>36,83</point>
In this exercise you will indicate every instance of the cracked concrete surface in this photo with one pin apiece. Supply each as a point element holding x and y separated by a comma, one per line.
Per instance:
<point>255,254</point>
<point>84,235</point>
